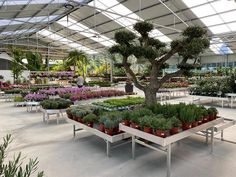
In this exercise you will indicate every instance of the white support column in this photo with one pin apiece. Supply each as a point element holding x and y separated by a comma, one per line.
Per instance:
<point>168,160</point>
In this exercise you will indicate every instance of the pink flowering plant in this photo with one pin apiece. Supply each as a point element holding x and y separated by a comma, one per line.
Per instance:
<point>35,97</point>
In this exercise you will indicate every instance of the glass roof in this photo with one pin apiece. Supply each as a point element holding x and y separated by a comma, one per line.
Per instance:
<point>219,47</point>
<point>17,32</point>
<point>216,15</point>
<point>24,2</point>
<point>17,21</point>
<point>59,38</point>
<point>85,31</point>
<point>115,7</point>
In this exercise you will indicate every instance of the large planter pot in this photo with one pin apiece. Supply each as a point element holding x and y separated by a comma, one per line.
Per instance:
<point>109,131</point>
<point>148,130</point>
<point>174,130</point>
<point>129,88</point>
<point>161,133</point>
<point>195,123</point>
<point>101,127</point>
<point>134,125</point>
<point>126,122</point>
<point>186,126</point>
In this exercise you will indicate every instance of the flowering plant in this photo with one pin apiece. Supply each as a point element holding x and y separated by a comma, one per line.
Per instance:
<point>35,97</point>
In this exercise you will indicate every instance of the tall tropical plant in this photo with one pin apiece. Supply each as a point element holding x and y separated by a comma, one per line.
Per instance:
<point>78,58</point>
<point>17,66</point>
<point>34,61</point>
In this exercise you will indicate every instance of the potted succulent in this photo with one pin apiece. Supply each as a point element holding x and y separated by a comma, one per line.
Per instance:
<point>161,126</point>
<point>146,123</point>
<point>175,125</point>
<point>90,119</point>
<point>212,113</point>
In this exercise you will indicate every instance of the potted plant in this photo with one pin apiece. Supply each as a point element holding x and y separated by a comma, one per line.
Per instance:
<point>129,88</point>
<point>137,114</point>
<point>146,123</point>
<point>125,116</point>
<point>161,126</point>
<point>186,116</point>
<point>212,112</point>
<point>69,113</point>
<point>175,125</point>
<point>101,121</point>
<point>90,119</point>
<point>80,115</point>
<point>109,125</point>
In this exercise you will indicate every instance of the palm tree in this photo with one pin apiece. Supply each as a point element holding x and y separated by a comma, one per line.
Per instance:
<point>78,58</point>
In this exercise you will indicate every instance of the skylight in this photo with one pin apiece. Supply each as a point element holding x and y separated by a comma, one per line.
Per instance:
<point>214,14</point>
<point>17,21</point>
<point>219,47</point>
<point>17,32</point>
<point>65,41</point>
<point>25,2</point>
<point>115,7</point>
<point>85,31</point>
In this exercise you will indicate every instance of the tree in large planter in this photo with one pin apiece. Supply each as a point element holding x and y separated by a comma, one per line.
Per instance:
<point>192,43</point>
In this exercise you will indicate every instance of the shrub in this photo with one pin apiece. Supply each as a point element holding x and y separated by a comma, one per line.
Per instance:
<point>56,104</point>
<point>90,118</point>
<point>18,99</point>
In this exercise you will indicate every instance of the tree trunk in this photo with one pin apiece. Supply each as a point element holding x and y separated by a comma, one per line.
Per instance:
<point>150,97</point>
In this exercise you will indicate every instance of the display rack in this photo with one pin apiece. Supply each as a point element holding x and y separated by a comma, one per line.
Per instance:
<point>164,144</point>
<point>107,138</point>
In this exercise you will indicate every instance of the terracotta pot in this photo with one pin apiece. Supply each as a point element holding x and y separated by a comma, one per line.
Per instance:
<point>79,119</point>
<point>195,123</point>
<point>126,122</point>
<point>174,130</point>
<point>74,118</point>
<point>134,125</point>
<point>211,117</point>
<point>101,127</point>
<point>109,131</point>
<point>200,121</point>
<point>186,126</point>
<point>70,116</point>
<point>148,130</point>
<point>205,119</point>
<point>161,133</point>
<point>115,130</point>
<point>90,124</point>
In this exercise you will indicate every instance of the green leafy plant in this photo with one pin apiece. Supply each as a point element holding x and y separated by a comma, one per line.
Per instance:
<point>18,99</point>
<point>175,122</point>
<point>14,167</point>
<point>137,113</point>
<point>90,118</point>
<point>186,114</point>
<point>145,121</point>
<point>212,111</point>
<point>161,124</point>
<point>56,104</point>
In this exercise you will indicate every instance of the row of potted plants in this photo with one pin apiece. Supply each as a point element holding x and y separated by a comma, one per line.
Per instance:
<point>119,104</point>
<point>52,74</point>
<point>58,103</point>
<point>95,94</point>
<point>62,91</point>
<point>160,120</point>
<point>175,84</point>
<point>35,97</point>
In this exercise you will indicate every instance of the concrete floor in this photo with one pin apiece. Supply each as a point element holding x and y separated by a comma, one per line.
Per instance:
<point>62,156</point>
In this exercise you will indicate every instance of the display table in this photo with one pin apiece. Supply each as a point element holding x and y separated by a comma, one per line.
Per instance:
<point>32,104</point>
<point>48,112</point>
<point>165,143</point>
<point>107,138</point>
<point>232,97</point>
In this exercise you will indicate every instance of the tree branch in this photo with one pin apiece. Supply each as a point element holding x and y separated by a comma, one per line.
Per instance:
<point>168,76</point>
<point>169,54</point>
<point>132,75</point>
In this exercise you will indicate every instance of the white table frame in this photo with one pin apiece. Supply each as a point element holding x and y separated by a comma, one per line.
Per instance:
<point>48,112</point>
<point>166,143</point>
<point>31,104</point>
<point>107,138</point>
<point>232,98</point>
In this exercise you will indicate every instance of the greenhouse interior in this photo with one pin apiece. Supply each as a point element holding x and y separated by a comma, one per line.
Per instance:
<point>117,88</point>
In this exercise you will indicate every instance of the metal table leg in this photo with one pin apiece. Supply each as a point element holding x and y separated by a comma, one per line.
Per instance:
<point>212,139</point>
<point>222,135</point>
<point>108,148</point>
<point>207,134</point>
<point>73,130</point>
<point>168,160</point>
<point>133,147</point>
